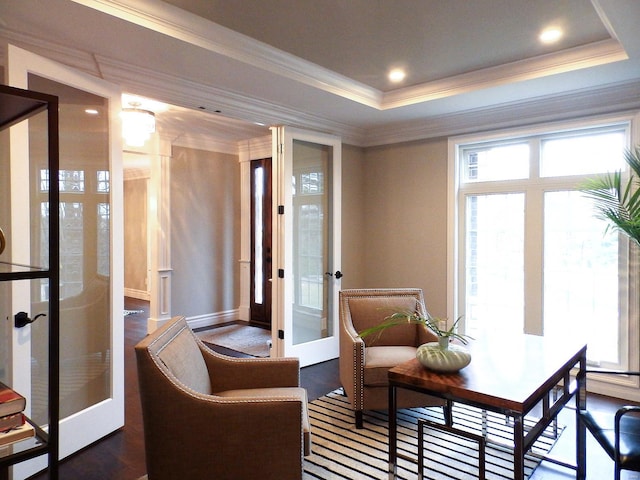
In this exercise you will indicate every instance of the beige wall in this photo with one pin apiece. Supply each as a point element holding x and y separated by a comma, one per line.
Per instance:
<point>205,232</point>
<point>405,225</point>
<point>394,223</point>
<point>353,217</point>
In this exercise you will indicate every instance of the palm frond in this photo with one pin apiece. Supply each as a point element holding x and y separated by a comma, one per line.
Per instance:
<point>617,203</point>
<point>403,316</point>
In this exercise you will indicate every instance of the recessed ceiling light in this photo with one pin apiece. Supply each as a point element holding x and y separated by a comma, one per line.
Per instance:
<point>91,111</point>
<point>397,75</point>
<point>550,35</point>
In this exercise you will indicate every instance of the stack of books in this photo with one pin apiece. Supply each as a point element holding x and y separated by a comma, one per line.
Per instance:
<point>13,425</point>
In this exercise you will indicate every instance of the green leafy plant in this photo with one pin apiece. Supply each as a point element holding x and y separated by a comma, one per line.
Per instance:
<point>402,317</point>
<point>618,202</point>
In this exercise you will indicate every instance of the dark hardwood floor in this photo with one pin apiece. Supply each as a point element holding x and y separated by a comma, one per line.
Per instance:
<point>120,456</point>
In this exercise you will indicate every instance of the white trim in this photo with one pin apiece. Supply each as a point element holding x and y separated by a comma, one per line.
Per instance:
<point>211,319</point>
<point>139,294</point>
<point>195,30</point>
<point>189,94</point>
<point>591,55</point>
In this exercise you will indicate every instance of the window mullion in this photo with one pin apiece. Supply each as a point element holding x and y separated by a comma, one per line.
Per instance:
<point>534,261</point>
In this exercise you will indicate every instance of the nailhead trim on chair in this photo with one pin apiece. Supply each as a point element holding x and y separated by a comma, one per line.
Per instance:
<point>358,401</point>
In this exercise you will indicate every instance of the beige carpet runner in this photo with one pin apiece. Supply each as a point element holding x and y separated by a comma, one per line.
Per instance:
<point>340,451</point>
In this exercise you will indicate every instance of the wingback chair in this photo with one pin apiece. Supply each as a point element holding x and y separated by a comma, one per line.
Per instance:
<point>365,362</point>
<point>206,415</point>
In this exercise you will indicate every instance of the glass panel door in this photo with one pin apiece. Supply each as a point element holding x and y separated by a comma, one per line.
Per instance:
<point>307,244</point>
<point>91,287</point>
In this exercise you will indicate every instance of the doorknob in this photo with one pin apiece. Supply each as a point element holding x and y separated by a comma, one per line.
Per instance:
<point>21,319</point>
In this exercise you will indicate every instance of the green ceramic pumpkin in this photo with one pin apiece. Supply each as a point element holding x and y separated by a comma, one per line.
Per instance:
<point>443,359</point>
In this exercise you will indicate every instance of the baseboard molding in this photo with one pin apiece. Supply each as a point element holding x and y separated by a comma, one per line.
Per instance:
<point>139,294</point>
<point>211,319</point>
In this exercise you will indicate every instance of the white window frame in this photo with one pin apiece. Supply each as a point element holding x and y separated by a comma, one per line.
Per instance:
<point>620,386</point>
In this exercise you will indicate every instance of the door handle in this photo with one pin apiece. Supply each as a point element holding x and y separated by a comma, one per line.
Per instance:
<point>21,319</point>
<point>338,274</point>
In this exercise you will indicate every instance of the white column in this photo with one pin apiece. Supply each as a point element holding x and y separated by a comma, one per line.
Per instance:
<point>159,224</point>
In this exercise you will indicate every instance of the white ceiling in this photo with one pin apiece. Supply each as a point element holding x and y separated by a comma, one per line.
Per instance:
<point>228,65</point>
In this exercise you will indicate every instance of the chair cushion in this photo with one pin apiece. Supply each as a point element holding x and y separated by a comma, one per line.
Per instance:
<point>182,356</point>
<point>368,312</point>
<point>378,361</point>
<point>289,392</point>
<point>602,428</point>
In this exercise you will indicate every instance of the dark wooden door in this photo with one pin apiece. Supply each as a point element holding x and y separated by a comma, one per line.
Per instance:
<point>261,242</point>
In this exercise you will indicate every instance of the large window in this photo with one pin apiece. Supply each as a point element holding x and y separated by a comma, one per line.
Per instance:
<point>531,254</point>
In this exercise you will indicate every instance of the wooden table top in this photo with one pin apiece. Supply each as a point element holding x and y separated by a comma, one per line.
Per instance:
<point>505,374</point>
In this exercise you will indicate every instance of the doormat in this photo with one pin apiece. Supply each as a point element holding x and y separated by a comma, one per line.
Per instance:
<point>246,339</point>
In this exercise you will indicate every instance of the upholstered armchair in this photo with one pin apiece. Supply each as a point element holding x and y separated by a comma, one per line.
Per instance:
<point>365,362</point>
<point>206,415</point>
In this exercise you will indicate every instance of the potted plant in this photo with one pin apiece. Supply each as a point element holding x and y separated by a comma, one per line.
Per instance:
<point>439,356</point>
<point>436,325</point>
<point>618,202</point>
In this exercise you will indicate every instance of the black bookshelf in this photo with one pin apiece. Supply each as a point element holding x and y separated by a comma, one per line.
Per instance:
<point>18,105</point>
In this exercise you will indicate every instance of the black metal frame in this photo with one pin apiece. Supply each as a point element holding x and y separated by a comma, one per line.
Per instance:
<point>585,425</point>
<point>424,424</point>
<point>17,105</point>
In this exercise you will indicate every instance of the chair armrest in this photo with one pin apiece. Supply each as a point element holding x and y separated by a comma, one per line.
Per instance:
<point>621,412</point>
<point>232,373</point>
<point>351,361</point>
<point>624,411</point>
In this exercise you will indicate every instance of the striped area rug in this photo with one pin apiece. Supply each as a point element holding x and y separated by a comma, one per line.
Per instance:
<point>340,451</point>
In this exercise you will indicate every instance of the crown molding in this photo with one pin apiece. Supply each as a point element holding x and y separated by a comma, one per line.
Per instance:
<point>68,56</point>
<point>185,26</point>
<point>196,96</point>
<point>200,142</point>
<point>589,101</point>
<point>591,55</point>
<point>255,148</point>
<point>196,30</point>
<point>181,92</point>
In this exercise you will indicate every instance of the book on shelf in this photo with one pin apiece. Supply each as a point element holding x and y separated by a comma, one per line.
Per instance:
<point>17,434</point>
<point>11,402</point>
<point>11,421</point>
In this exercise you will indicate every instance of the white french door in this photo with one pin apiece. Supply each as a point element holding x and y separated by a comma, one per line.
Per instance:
<point>306,244</point>
<point>91,271</point>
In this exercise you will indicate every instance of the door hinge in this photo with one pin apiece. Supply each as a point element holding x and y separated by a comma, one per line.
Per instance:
<point>281,334</point>
<point>281,148</point>
<point>280,209</point>
<point>281,273</point>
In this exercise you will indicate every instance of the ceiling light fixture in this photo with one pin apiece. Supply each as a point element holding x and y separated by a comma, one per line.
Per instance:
<point>137,125</point>
<point>550,35</point>
<point>397,75</point>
